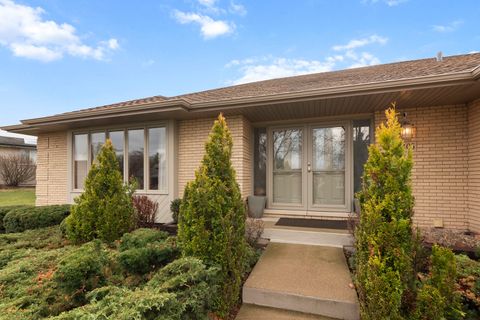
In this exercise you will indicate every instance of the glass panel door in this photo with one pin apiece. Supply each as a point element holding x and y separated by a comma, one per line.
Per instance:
<point>326,167</point>
<point>287,166</point>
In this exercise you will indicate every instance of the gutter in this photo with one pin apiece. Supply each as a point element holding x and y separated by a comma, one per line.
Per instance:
<point>19,146</point>
<point>463,77</point>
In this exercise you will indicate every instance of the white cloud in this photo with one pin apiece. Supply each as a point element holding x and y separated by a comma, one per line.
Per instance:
<point>209,27</point>
<point>361,60</point>
<point>207,3</point>
<point>113,44</point>
<point>390,3</point>
<point>237,8</point>
<point>27,34</point>
<point>269,67</point>
<point>452,26</point>
<point>203,14</point>
<point>357,43</point>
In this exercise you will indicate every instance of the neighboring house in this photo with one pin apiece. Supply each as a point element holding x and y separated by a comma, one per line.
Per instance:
<point>10,146</point>
<point>301,141</point>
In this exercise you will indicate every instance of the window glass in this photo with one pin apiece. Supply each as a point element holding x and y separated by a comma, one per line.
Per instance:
<point>117,138</point>
<point>32,154</point>
<point>287,166</point>
<point>135,156</point>
<point>361,141</point>
<point>157,159</point>
<point>97,142</point>
<point>80,159</point>
<point>328,165</point>
<point>260,162</point>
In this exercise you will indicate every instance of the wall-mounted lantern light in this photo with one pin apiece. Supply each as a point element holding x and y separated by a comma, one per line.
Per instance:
<point>408,129</point>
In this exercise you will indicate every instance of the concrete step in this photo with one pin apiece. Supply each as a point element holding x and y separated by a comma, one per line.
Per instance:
<point>308,236</point>
<point>303,278</point>
<point>253,312</point>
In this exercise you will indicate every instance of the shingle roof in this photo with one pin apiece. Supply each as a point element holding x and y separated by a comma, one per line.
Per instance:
<point>14,142</point>
<point>357,76</point>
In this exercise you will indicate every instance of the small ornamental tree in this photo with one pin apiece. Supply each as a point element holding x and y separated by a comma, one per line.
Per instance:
<point>384,240</point>
<point>104,210</point>
<point>212,217</point>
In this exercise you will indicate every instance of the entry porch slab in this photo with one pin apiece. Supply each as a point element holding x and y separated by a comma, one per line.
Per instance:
<point>303,278</point>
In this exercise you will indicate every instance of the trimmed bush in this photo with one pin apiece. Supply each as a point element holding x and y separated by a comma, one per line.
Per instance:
<point>192,283</point>
<point>140,238</point>
<point>4,211</point>
<point>175,209</point>
<point>384,241</point>
<point>430,304</point>
<point>26,218</point>
<point>104,210</point>
<point>443,278</point>
<point>82,270</point>
<point>181,290</point>
<point>212,217</point>
<point>145,250</point>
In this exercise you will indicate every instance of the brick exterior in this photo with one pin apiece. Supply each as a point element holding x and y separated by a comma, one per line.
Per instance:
<point>192,135</point>
<point>440,173</point>
<point>446,174</point>
<point>474,166</point>
<point>52,170</point>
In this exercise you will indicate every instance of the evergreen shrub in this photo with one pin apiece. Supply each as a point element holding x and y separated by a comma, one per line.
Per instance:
<point>145,250</point>
<point>104,210</point>
<point>27,218</point>
<point>211,225</point>
<point>82,270</point>
<point>384,242</point>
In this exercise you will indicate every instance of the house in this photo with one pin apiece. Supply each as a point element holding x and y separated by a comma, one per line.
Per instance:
<point>10,146</point>
<point>301,141</point>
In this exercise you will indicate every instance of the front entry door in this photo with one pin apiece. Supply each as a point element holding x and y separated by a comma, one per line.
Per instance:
<point>309,168</point>
<point>326,168</point>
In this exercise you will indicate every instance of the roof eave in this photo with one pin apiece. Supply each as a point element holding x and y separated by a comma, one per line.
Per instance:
<point>181,104</point>
<point>348,90</point>
<point>456,78</point>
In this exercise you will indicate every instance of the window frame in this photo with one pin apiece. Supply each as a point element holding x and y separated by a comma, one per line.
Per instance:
<point>146,168</point>
<point>147,160</point>
<point>72,157</point>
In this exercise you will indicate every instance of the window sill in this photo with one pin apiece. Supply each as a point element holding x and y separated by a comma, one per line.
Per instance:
<point>140,192</point>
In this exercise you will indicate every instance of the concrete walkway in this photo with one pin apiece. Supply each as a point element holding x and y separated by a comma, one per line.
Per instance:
<point>310,279</point>
<point>249,312</point>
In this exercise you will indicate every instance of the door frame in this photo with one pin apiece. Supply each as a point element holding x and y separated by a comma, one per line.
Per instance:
<point>305,206</point>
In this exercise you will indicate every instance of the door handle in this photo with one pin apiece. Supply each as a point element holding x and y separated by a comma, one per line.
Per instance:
<point>309,167</point>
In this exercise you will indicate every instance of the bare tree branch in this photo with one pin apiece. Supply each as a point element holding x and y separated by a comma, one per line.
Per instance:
<point>16,169</point>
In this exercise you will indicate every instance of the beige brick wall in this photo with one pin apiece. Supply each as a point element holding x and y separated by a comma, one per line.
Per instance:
<point>440,173</point>
<point>474,165</point>
<point>192,135</point>
<point>52,170</point>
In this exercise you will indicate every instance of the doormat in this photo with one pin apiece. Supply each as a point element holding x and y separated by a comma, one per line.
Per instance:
<point>313,223</point>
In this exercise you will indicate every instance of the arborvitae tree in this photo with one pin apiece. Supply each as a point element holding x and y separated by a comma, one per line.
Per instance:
<point>104,210</point>
<point>212,217</point>
<point>384,242</point>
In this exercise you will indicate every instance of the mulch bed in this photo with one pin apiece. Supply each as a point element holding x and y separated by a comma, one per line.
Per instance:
<point>458,241</point>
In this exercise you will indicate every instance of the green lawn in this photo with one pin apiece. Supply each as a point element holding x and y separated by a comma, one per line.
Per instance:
<point>20,196</point>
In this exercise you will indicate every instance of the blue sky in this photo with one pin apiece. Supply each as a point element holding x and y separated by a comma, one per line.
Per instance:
<point>57,56</point>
